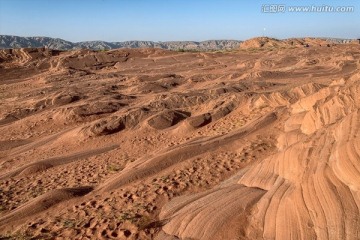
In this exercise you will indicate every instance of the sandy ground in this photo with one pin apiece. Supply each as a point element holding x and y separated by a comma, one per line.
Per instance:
<point>257,143</point>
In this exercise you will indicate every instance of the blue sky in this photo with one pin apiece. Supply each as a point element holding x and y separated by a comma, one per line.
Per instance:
<point>156,20</point>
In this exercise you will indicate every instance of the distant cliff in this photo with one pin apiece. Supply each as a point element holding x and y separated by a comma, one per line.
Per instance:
<point>7,41</point>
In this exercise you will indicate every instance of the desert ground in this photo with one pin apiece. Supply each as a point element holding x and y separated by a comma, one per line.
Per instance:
<point>262,142</point>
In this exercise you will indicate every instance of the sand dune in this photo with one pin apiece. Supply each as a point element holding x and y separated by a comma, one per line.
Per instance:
<point>257,143</point>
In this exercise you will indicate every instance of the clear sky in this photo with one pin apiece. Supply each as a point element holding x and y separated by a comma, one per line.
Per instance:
<point>167,20</point>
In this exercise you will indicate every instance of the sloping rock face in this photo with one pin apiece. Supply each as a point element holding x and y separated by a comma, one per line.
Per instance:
<point>294,193</point>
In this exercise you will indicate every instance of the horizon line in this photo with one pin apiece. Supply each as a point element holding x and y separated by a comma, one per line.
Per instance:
<point>180,40</point>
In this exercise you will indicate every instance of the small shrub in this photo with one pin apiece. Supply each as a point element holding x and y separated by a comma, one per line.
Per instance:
<point>114,168</point>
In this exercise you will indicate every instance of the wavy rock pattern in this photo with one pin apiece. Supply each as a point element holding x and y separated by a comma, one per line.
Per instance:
<point>309,189</point>
<point>153,144</point>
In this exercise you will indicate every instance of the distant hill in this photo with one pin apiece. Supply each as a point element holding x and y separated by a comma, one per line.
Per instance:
<point>7,41</point>
<point>260,42</point>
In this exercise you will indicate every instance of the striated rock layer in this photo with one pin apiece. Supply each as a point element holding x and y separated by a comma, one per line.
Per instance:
<point>258,143</point>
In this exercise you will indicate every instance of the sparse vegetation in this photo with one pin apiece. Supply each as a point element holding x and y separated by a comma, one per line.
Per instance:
<point>69,223</point>
<point>189,50</point>
<point>114,167</point>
